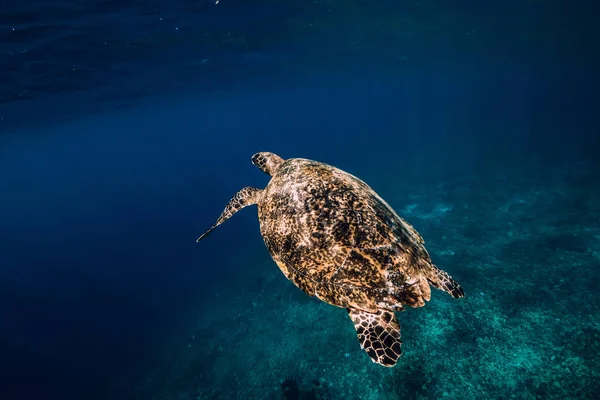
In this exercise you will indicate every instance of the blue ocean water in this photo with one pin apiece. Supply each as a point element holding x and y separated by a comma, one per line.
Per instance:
<point>126,127</point>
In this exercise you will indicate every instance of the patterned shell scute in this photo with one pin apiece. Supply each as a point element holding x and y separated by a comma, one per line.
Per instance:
<point>335,238</point>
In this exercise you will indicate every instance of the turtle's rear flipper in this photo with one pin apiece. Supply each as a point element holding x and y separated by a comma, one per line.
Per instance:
<point>441,280</point>
<point>378,334</point>
<point>245,197</point>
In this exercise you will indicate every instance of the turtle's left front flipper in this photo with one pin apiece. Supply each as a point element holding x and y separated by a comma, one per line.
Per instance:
<point>378,334</point>
<point>245,197</point>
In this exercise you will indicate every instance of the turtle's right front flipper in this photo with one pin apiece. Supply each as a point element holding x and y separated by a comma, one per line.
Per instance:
<point>245,197</point>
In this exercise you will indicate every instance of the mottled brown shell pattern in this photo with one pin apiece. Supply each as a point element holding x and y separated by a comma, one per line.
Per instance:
<point>336,239</point>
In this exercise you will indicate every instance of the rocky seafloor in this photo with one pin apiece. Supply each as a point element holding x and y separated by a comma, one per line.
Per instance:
<point>524,241</point>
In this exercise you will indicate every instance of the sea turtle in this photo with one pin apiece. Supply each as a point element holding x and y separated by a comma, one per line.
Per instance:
<point>338,240</point>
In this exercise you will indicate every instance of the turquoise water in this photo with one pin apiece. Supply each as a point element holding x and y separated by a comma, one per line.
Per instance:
<point>524,245</point>
<point>126,127</point>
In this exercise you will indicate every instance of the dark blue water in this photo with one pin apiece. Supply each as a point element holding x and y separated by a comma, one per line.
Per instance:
<point>126,126</point>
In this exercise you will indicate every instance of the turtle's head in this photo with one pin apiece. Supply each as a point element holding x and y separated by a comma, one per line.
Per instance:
<point>268,163</point>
